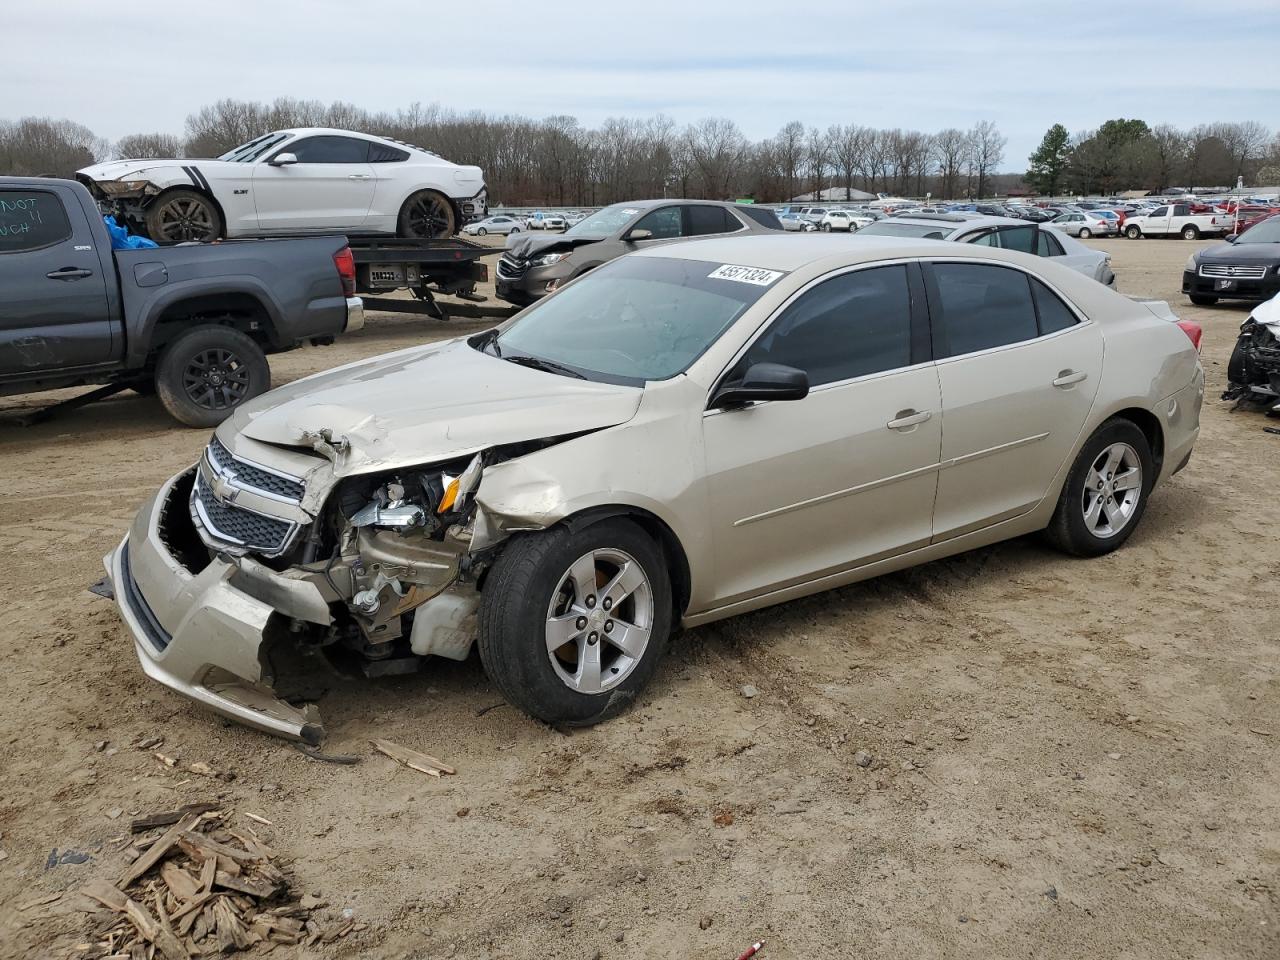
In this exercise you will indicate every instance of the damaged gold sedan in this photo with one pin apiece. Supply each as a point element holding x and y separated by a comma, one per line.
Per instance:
<point>681,435</point>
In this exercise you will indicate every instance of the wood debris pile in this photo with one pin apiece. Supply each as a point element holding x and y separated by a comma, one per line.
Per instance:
<point>200,887</point>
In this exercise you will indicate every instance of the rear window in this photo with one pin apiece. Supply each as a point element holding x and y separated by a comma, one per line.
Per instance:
<point>707,220</point>
<point>894,228</point>
<point>983,307</point>
<point>31,219</point>
<point>384,153</point>
<point>763,216</point>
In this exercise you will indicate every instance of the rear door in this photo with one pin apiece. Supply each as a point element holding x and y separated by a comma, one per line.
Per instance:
<point>329,188</point>
<point>1018,369</point>
<point>799,489</point>
<point>54,311</point>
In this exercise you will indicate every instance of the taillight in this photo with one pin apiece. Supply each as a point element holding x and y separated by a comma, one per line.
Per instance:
<point>1192,330</point>
<point>345,261</point>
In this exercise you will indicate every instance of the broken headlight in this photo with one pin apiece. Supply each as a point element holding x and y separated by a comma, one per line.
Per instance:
<point>123,188</point>
<point>423,500</point>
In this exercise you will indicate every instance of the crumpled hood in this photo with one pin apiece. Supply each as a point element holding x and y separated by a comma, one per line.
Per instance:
<point>1268,313</point>
<point>425,405</point>
<point>132,169</point>
<point>528,245</point>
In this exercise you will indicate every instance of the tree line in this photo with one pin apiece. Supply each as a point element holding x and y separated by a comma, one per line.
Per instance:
<point>557,161</point>
<point>1125,154</point>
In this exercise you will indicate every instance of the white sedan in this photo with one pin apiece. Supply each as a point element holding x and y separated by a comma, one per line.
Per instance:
<point>293,182</point>
<point>498,224</point>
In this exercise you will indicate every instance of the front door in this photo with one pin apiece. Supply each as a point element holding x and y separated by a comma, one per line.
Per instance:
<point>55,295</point>
<point>330,187</point>
<point>1018,370</point>
<point>847,475</point>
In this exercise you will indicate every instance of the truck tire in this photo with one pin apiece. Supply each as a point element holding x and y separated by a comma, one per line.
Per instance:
<point>427,215</point>
<point>209,371</point>
<point>183,215</point>
<point>1094,517</point>
<point>573,622</point>
<point>1134,232</point>
<point>1190,232</point>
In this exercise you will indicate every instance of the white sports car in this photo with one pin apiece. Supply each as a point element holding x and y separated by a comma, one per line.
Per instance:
<point>305,181</point>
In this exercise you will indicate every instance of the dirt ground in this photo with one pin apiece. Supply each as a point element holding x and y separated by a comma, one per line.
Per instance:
<point>1072,757</point>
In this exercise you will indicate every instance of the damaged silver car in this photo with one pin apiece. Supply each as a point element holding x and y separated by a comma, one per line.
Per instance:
<point>679,436</point>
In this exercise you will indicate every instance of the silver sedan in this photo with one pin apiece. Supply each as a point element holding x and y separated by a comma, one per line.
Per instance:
<point>498,224</point>
<point>680,435</point>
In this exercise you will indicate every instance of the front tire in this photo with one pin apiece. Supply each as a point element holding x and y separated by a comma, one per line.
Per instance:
<point>574,622</point>
<point>1133,233</point>
<point>481,232</point>
<point>1085,233</point>
<point>180,216</point>
<point>427,215</point>
<point>209,371</point>
<point>1190,232</point>
<point>1106,491</point>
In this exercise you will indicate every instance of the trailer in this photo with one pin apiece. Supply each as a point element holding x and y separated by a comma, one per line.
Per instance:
<point>450,266</point>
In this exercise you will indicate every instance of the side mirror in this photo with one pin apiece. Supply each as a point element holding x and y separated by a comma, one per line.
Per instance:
<point>1231,237</point>
<point>283,159</point>
<point>762,381</point>
<point>635,235</point>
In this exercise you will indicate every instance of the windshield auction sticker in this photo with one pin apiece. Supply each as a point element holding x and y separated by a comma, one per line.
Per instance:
<point>756,275</point>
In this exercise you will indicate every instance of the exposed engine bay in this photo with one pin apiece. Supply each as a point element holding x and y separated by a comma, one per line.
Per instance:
<point>1253,373</point>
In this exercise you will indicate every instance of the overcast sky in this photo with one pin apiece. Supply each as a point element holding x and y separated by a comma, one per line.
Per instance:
<point>921,64</point>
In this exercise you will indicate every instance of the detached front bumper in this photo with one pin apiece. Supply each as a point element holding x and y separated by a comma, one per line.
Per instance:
<point>204,633</point>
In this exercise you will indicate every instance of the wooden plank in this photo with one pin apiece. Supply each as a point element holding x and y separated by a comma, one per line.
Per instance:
<point>412,759</point>
<point>169,816</point>
<point>228,929</point>
<point>255,888</point>
<point>156,851</point>
<point>180,883</point>
<point>221,849</point>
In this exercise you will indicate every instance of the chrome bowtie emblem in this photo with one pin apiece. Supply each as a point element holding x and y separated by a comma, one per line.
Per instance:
<point>222,489</point>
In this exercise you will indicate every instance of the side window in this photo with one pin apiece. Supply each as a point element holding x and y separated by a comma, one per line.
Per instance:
<point>385,153</point>
<point>705,220</point>
<point>1021,239</point>
<point>983,307</point>
<point>1047,245</point>
<point>663,223</point>
<point>31,219</point>
<point>1053,313</point>
<point>1182,210</point>
<point>1159,212</point>
<point>849,326</point>
<point>329,150</point>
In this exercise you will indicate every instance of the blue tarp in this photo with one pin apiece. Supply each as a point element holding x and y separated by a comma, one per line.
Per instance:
<point>121,240</point>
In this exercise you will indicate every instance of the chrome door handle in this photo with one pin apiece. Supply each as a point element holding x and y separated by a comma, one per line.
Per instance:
<point>359,176</point>
<point>906,419</point>
<point>1067,378</point>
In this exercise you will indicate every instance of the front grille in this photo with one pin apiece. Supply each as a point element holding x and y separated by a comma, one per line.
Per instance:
<point>512,268</point>
<point>240,527</point>
<point>1233,271</point>
<point>249,476</point>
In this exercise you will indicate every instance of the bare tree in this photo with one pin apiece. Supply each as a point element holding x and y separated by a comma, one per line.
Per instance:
<point>949,149</point>
<point>40,147</point>
<point>817,156</point>
<point>716,146</point>
<point>988,152</point>
<point>848,151</point>
<point>788,153</point>
<point>140,146</point>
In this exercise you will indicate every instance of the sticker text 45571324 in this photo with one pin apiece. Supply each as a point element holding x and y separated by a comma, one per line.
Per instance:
<point>739,274</point>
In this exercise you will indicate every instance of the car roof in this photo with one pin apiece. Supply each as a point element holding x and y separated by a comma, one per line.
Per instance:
<point>959,220</point>
<point>788,252</point>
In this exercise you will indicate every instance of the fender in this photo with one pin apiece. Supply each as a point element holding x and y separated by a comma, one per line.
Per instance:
<point>147,308</point>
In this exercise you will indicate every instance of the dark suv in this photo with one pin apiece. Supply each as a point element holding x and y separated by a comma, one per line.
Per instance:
<point>533,266</point>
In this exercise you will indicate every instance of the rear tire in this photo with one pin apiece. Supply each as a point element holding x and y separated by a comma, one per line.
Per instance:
<point>427,215</point>
<point>1191,232</point>
<point>1092,516</point>
<point>1201,300</point>
<point>209,371</point>
<point>180,216</point>
<point>532,594</point>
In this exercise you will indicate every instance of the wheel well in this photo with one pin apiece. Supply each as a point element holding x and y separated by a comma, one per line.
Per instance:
<point>663,535</point>
<point>243,311</point>
<point>1149,424</point>
<point>222,214</point>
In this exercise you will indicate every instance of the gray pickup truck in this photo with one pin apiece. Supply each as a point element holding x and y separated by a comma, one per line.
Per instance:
<point>192,323</point>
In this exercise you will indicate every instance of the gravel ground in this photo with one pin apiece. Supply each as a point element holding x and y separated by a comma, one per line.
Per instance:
<point>1067,757</point>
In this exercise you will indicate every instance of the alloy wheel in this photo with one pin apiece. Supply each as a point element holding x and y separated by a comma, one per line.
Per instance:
<point>599,621</point>
<point>185,218</point>
<point>1112,489</point>
<point>429,216</point>
<point>216,379</point>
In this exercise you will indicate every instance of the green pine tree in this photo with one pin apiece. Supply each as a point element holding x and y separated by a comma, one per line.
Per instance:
<point>1049,162</point>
